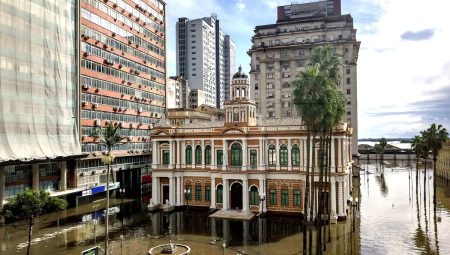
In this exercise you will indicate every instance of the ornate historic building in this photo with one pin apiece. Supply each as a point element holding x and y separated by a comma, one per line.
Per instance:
<point>443,161</point>
<point>242,162</point>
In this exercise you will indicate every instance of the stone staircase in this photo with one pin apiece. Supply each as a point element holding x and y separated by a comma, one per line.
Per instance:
<point>233,215</point>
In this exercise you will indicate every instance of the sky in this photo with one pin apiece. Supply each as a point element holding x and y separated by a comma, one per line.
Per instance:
<point>403,64</point>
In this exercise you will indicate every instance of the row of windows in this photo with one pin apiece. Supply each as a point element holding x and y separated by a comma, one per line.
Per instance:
<point>236,155</point>
<point>97,99</point>
<point>122,46</point>
<point>254,195</point>
<point>106,85</point>
<point>111,12</point>
<point>94,115</point>
<point>119,74</point>
<point>85,164</point>
<point>123,132</point>
<point>116,29</point>
<point>91,147</point>
<point>118,59</point>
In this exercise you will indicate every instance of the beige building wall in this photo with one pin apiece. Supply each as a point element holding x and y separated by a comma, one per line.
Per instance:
<point>281,51</point>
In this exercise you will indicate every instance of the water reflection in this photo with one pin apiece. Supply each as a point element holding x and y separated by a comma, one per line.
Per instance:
<point>396,216</point>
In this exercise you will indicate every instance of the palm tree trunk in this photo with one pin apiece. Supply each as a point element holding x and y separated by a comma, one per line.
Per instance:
<point>305,206</point>
<point>434,182</point>
<point>313,191</point>
<point>107,209</point>
<point>329,186</point>
<point>30,233</point>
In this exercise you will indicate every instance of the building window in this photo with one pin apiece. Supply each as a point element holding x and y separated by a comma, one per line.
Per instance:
<point>253,158</point>
<point>272,155</point>
<point>188,194</point>
<point>166,157</point>
<point>236,154</point>
<point>347,71</point>
<point>188,154</point>
<point>208,193</point>
<point>349,113</point>
<point>219,194</point>
<point>349,102</point>
<point>273,197</point>
<point>220,157</point>
<point>198,155</point>
<point>297,198</point>
<point>198,192</point>
<point>283,155</point>
<point>348,81</point>
<point>295,154</point>
<point>284,197</point>
<point>254,197</point>
<point>208,155</point>
<point>348,91</point>
<point>270,75</point>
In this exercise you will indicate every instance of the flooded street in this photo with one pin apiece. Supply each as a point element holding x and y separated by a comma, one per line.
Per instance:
<point>396,217</point>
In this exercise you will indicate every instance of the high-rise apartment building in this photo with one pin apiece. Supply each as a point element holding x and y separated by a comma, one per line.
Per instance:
<point>201,57</point>
<point>39,135</point>
<point>281,50</point>
<point>123,66</point>
<point>230,64</point>
<point>177,93</point>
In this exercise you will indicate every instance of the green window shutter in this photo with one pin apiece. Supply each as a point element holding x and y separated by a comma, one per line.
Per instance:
<point>273,197</point>
<point>189,155</point>
<point>208,193</point>
<point>219,194</point>
<point>297,198</point>
<point>219,157</point>
<point>284,197</point>
<point>198,192</point>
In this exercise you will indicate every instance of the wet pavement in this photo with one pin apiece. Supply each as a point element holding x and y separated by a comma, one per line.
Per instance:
<point>395,216</point>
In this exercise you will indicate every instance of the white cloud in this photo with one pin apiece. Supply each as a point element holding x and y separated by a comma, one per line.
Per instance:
<point>394,74</point>
<point>240,5</point>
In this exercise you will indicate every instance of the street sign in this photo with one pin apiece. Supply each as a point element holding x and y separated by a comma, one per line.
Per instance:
<point>87,192</point>
<point>91,251</point>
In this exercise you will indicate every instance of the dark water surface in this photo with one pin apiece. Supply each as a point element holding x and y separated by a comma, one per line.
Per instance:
<point>395,216</point>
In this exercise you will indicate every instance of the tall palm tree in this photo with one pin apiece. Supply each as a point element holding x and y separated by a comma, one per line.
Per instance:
<point>435,136</point>
<point>108,138</point>
<point>383,143</point>
<point>308,97</point>
<point>417,145</point>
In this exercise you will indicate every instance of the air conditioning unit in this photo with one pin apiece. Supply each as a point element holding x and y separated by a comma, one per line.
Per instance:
<point>121,124</point>
<point>84,103</point>
<point>130,138</point>
<point>150,126</point>
<point>97,122</point>
<point>120,109</point>
<point>85,86</point>
<point>95,105</point>
<point>139,110</point>
<point>114,108</point>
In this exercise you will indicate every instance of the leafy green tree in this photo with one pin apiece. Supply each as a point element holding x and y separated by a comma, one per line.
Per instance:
<point>108,138</point>
<point>29,205</point>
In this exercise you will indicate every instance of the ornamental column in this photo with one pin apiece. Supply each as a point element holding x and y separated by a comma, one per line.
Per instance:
<point>333,200</point>
<point>35,176</point>
<point>333,155</point>
<point>244,154</point>
<point>340,200</point>
<point>213,156</point>
<point>213,191</point>
<point>203,154</point>
<point>63,176</point>
<point>171,189</point>
<point>225,155</point>
<point>171,154</point>
<point>154,156</point>
<point>245,195</point>
<point>277,149</point>
<point>225,194</point>
<point>155,188</point>
<point>289,155</point>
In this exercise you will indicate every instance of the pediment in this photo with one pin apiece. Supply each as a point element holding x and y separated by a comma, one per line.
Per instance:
<point>233,130</point>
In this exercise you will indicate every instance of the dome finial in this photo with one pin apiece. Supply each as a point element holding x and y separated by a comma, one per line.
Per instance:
<point>240,68</point>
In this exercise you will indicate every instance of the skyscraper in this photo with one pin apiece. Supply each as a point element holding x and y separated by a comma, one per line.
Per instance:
<point>230,64</point>
<point>123,79</point>
<point>281,50</point>
<point>201,57</point>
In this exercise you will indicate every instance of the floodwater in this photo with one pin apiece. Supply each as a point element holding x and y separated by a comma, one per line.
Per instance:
<point>395,216</point>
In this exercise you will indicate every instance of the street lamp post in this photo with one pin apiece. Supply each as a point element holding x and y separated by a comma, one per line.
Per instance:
<point>187,194</point>
<point>262,197</point>
<point>224,245</point>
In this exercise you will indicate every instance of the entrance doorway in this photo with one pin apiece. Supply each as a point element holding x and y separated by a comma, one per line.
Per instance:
<point>165,194</point>
<point>236,196</point>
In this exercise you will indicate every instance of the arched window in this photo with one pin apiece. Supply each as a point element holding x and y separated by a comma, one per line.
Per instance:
<point>254,196</point>
<point>208,155</point>
<point>198,155</point>
<point>219,194</point>
<point>188,154</point>
<point>283,155</point>
<point>236,154</point>
<point>272,155</point>
<point>295,154</point>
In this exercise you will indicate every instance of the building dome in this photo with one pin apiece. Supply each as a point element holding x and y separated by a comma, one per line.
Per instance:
<point>240,74</point>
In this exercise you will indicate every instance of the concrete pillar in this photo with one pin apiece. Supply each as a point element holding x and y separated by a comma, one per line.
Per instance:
<point>332,154</point>
<point>171,154</point>
<point>341,212</point>
<point>213,156</point>
<point>333,200</point>
<point>35,176</point>
<point>178,150</point>
<point>225,194</point>
<point>245,195</point>
<point>277,148</point>
<point>63,176</point>
<point>339,163</point>
<point>155,190</point>
<point>171,191</point>
<point>244,154</point>
<point>303,152</point>
<point>179,190</point>
<point>225,155</point>
<point>2,187</point>
<point>213,192</point>
<point>289,155</point>
<point>154,156</point>
<point>260,155</point>
<point>203,153</point>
